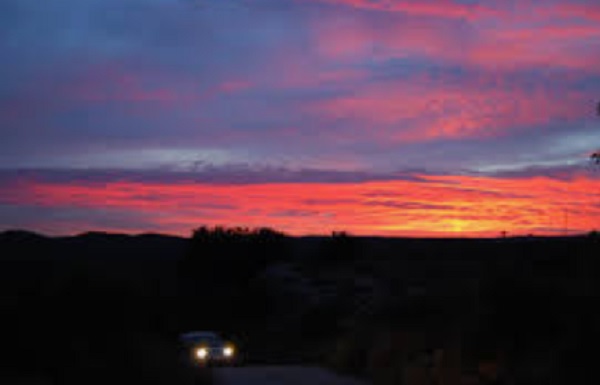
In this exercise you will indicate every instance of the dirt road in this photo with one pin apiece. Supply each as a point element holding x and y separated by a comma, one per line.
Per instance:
<point>281,375</point>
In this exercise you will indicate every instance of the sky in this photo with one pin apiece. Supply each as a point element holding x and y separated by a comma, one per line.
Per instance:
<point>376,117</point>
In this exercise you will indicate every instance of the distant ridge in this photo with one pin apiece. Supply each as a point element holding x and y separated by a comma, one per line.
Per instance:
<point>21,235</point>
<point>30,235</point>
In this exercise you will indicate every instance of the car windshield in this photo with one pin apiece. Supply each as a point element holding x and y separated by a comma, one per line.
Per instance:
<point>209,338</point>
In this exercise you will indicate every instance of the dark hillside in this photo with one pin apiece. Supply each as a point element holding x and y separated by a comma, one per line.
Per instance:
<point>95,308</point>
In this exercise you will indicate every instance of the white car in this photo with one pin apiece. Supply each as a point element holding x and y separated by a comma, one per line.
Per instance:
<point>208,348</point>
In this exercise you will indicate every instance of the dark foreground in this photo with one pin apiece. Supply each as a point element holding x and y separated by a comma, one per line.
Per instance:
<point>102,308</point>
<point>281,375</point>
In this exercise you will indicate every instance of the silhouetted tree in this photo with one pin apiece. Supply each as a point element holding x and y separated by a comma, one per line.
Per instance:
<point>595,157</point>
<point>219,270</point>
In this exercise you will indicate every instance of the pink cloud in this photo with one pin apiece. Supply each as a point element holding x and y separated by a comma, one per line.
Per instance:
<point>506,41</point>
<point>581,11</point>
<point>233,86</point>
<point>422,109</point>
<point>551,45</point>
<point>367,38</point>
<point>524,10</point>
<point>440,8</point>
<point>293,68</point>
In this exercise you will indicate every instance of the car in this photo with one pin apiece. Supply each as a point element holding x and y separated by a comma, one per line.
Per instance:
<point>208,348</point>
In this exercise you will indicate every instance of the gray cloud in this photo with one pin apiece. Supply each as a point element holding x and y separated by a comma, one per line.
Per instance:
<point>226,174</point>
<point>559,172</point>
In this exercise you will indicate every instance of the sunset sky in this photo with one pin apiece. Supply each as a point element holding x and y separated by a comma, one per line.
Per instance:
<point>379,117</point>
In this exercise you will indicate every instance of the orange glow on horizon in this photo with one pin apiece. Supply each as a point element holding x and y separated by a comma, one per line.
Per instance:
<point>441,206</point>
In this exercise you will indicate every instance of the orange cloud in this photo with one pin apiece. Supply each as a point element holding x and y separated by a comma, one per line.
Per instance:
<point>443,205</point>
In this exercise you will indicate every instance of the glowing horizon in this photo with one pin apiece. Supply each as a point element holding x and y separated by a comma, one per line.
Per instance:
<point>439,206</point>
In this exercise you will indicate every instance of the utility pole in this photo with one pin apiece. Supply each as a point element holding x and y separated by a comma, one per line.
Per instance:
<point>595,157</point>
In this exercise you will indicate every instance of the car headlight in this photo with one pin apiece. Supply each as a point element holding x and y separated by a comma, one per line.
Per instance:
<point>201,353</point>
<point>228,351</point>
